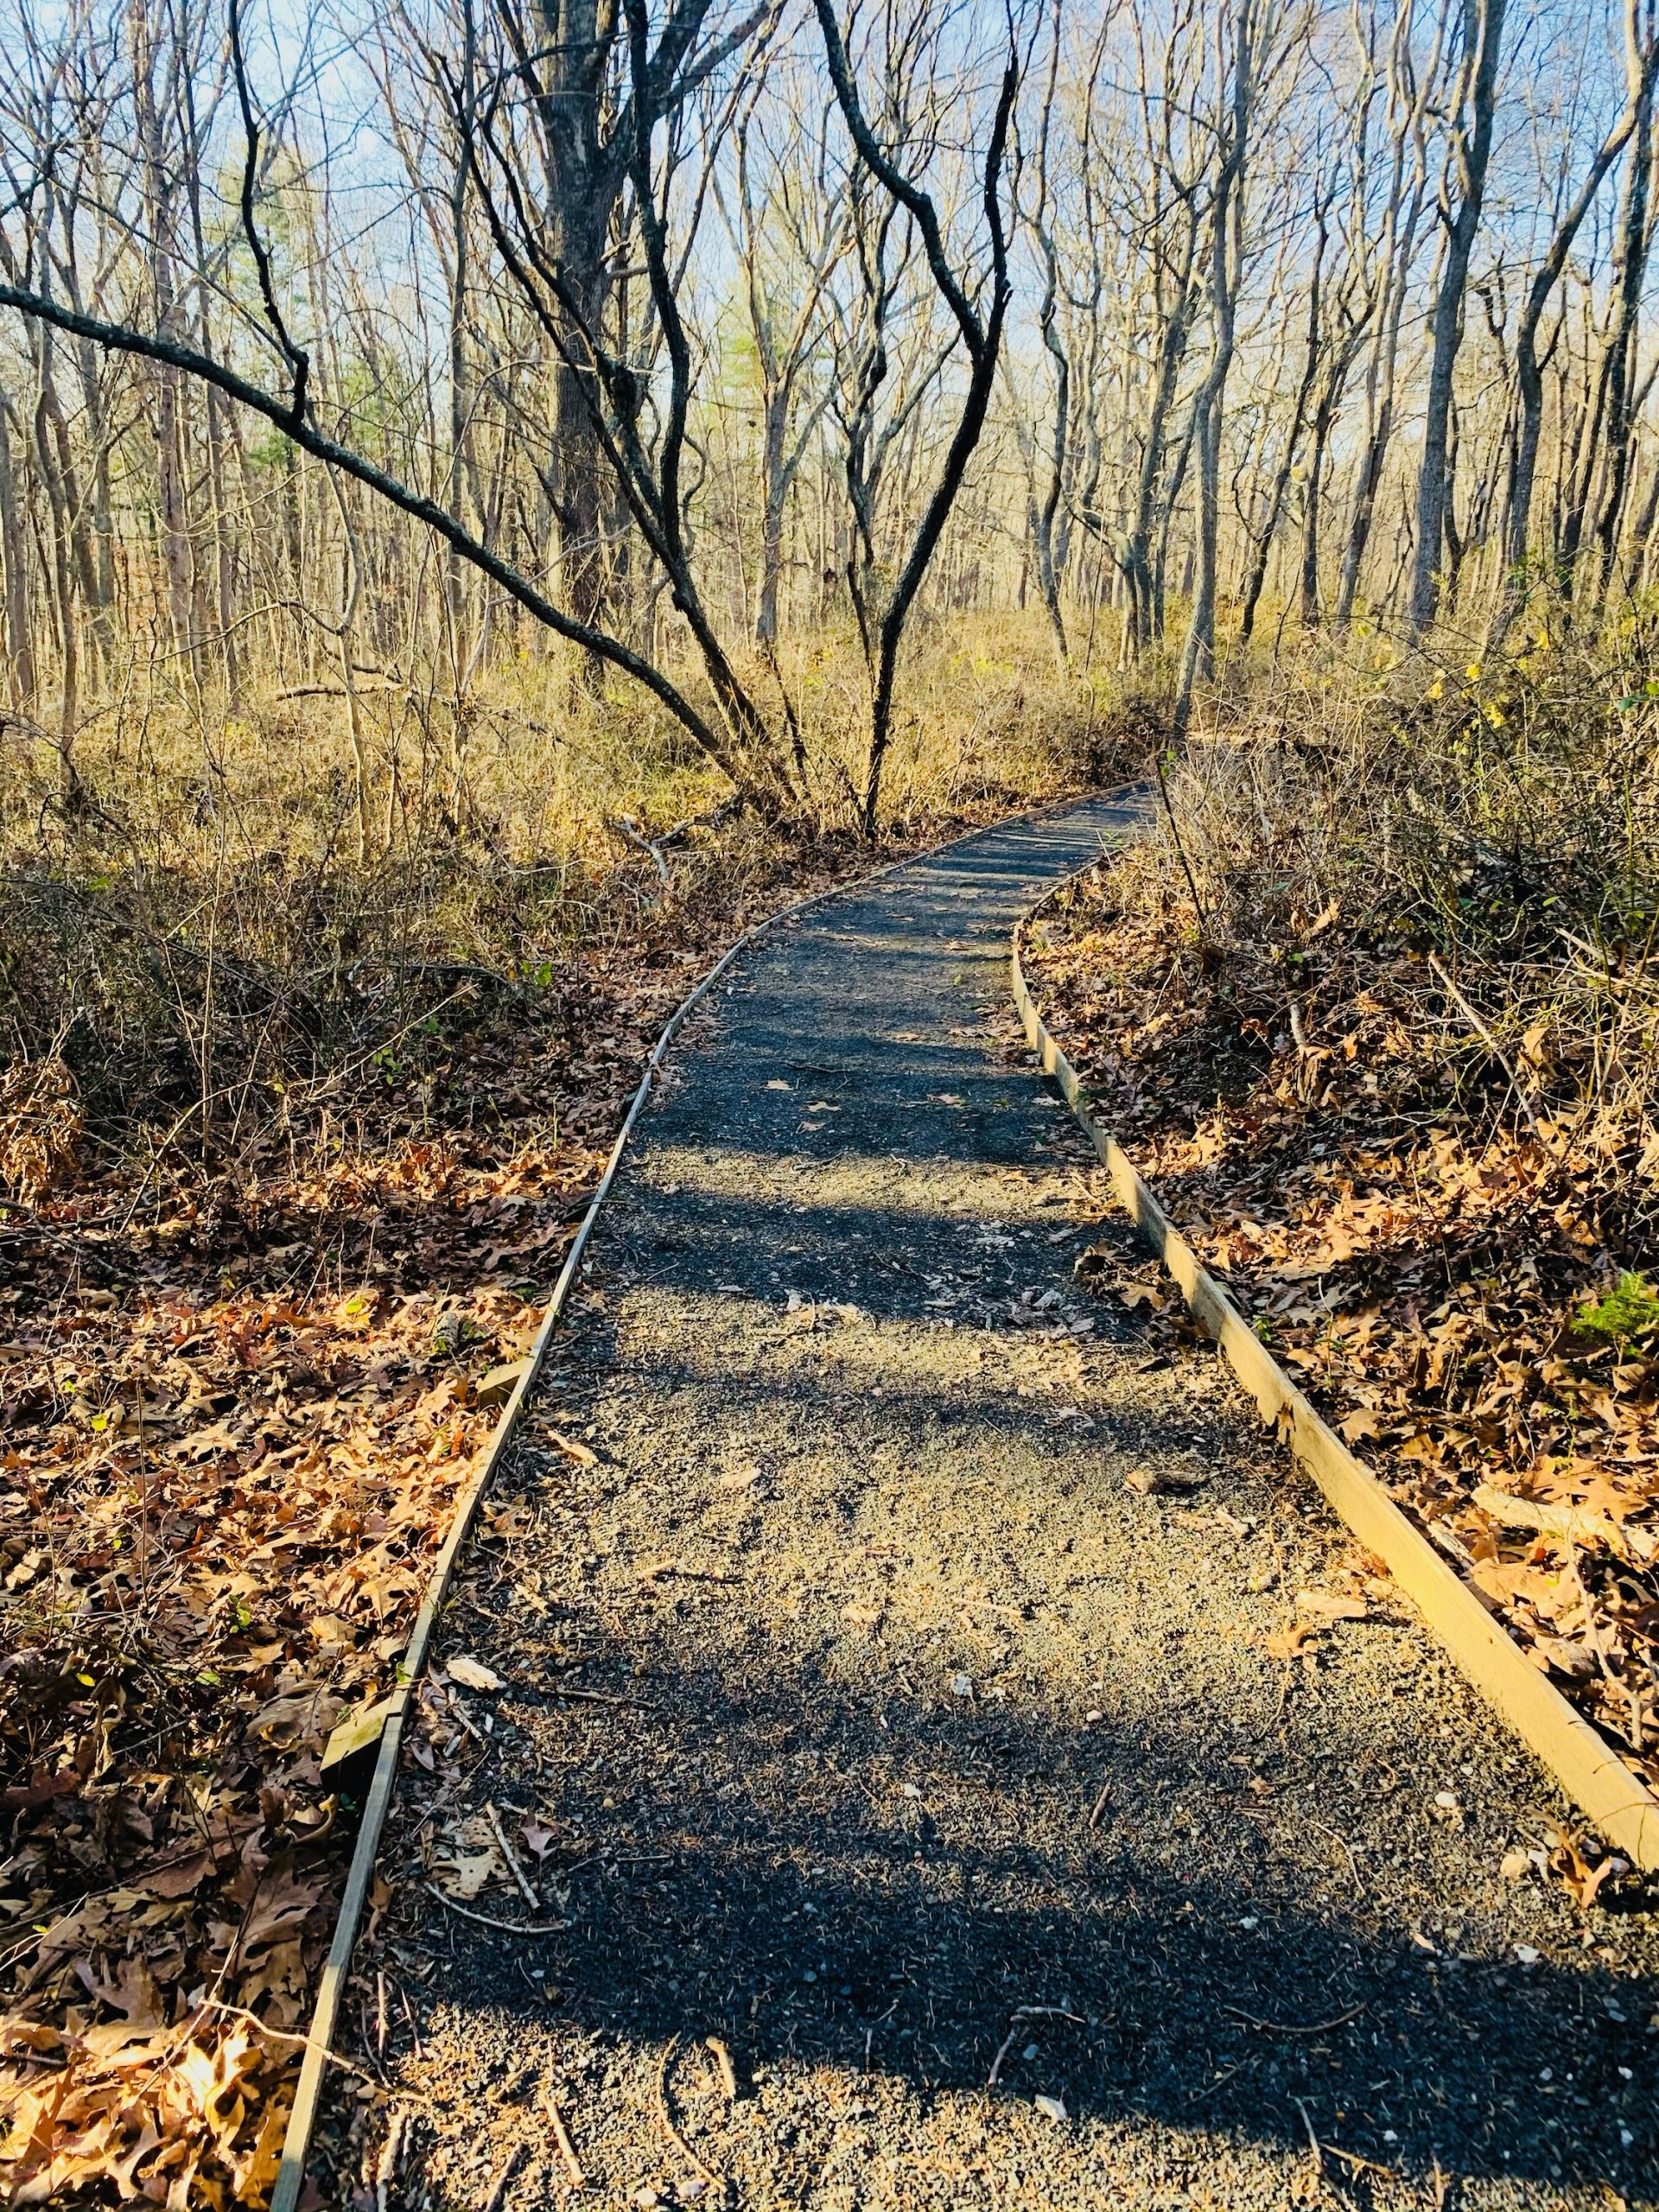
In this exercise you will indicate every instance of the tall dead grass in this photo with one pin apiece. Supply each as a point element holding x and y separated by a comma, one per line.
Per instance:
<point>252,913</point>
<point>1499,824</point>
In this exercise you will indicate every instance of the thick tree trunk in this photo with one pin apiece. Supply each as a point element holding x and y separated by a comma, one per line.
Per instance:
<point>586,177</point>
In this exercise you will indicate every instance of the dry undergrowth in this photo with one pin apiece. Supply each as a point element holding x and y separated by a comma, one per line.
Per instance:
<point>293,1143</point>
<point>1394,1080</point>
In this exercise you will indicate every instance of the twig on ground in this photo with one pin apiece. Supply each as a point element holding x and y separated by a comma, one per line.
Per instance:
<point>1100,1804</point>
<point>1261,1734</point>
<point>1337,1836</point>
<point>418,2050</point>
<point>1568,1523</point>
<point>487,1920</point>
<point>1197,2096</point>
<point>722,2058</point>
<point>1488,1039</point>
<point>1027,2013</point>
<point>279,2035</point>
<point>715,2181</point>
<point>511,1857</point>
<point>1174,831</point>
<point>1313,2142</point>
<point>390,2163</point>
<point>459,1716</point>
<point>498,2194</point>
<point>1288,2028</point>
<point>1361,2165</point>
<point>561,2137</point>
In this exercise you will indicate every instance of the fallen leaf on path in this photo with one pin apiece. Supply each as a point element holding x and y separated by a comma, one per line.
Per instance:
<point>181,1880</point>
<point>1325,1607</point>
<point>470,1872</point>
<point>1581,1877</point>
<point>573,1450</point>
<point>1289,1643</point>
<point>473,1673</point>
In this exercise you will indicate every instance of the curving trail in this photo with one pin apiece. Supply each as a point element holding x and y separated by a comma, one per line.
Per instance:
<point>917,1744</point>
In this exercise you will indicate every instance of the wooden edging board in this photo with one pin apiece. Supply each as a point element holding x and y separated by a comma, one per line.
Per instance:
<point>376,1804</point>
<point>1618,1802</point>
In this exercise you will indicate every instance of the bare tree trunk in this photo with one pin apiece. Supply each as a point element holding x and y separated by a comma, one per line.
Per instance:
<point>168,432</point>
<point>1529,373</point>
<point>1482,31</point>
<point>1635,246</point>
<point>20,644</point>
<point>774,490</point>
<point>981,337</point>
<point>1199,653</point>
<point>1258,570</point>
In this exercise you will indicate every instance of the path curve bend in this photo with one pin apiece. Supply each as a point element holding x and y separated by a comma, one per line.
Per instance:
<point>898,1693</point>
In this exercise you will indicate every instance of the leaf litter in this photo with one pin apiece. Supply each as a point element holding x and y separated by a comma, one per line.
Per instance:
<point>1456,1282</point>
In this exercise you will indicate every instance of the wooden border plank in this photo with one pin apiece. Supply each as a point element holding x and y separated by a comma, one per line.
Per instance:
<point>1618,1802</point>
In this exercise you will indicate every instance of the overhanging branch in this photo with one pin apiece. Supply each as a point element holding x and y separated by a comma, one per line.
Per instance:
<point>117,338</point>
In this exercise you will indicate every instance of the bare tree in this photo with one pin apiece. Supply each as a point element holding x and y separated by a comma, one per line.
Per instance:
<point>789,226</point>
<point>1474,107</point>
<point>979,322</point>
<point>1641,59</point>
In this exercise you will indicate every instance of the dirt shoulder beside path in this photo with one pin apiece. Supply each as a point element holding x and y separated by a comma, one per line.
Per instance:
<point>896,1688</point>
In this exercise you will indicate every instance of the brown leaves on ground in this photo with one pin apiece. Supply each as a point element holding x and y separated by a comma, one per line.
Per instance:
<point>239,1409</point>
<point>220,1511</point>
<point>1416,1237</point>
<point>40,1127</point>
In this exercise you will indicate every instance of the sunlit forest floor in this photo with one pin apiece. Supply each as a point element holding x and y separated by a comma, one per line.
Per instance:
<point>315,1043</point>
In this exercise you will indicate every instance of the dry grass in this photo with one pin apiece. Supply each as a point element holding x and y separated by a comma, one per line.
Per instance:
<point>229,907</point>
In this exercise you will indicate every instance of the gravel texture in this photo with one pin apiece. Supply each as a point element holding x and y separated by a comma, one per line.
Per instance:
<point>866,1712</point>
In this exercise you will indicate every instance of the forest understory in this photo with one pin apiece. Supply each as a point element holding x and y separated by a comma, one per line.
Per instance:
<point>1374,1012</point>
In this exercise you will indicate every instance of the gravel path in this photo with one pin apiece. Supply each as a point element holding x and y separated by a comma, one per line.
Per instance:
<point>866,1712</point>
